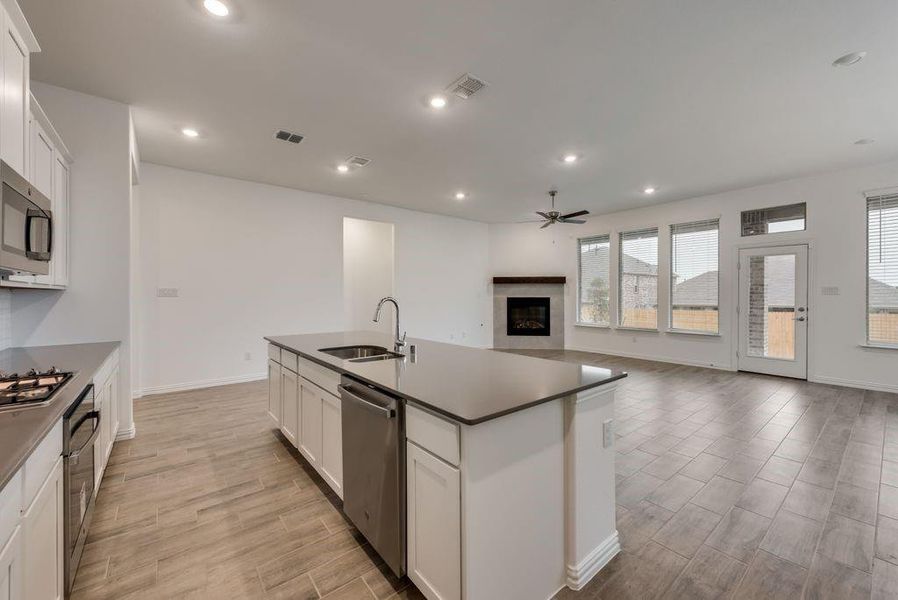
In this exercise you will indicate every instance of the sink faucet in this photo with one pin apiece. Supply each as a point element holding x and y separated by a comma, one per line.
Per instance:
<point>400,339</point>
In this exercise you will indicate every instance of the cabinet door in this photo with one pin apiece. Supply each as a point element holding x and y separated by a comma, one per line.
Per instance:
<point>11,568</point>
<point>274,392</point>
<point>310,434</point>
<point>100,402</point>
<point>42,159</point>
<point>60,256</point>
<point>290,403</point>
<point>14,109</point>
<point>332,442</point>
<point>109,423</point>
<point>434,525</point>
<point>42,542</point>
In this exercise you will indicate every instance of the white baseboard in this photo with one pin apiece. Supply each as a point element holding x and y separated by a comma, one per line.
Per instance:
<point>664,359</point>
<point>196,385</point>
<point>852,383</point>
<point>126,434</point>
<point>579,575</point>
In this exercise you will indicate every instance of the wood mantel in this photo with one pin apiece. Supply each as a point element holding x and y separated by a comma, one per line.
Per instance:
<point>525,280</point>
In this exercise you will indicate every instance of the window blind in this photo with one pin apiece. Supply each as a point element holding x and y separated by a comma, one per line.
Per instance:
<point>638,279</point>
<point>882,269</point>
<point>594,280</point>
<point>694,279</point>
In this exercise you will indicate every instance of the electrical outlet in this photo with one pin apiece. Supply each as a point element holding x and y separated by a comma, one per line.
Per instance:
<point>247,356</point>
<point>166,292</point>
<point>829,290</point>
<point>607,433</point>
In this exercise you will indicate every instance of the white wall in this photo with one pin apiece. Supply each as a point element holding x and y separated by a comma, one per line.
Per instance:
<point>836,234</point>
<point>251,260</point>
<point>367,273</point>
<point>95,306</point>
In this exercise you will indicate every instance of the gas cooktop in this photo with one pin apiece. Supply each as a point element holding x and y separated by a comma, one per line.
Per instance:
<point>35,388</point>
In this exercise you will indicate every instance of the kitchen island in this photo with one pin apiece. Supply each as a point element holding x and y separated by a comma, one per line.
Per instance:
<point>509,462</point>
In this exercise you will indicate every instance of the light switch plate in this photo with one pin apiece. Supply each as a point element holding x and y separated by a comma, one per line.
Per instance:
<point>607,433</point>
<point>166,292</point>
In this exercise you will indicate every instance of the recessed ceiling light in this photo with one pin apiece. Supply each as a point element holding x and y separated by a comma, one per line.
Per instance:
<point>852,58</point>
<point>649,190</point>
<point>570,158</point>
<point>437,101</point>
<point>864,141</point>
<point>190,132</point>
<point>216,8</point>
<point>343,168</point>
<point>460,195</point>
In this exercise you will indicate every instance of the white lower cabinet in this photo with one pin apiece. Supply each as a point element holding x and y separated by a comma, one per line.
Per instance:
<point>433,524</point>
<point>290,405</point>
<point>311,428</point>
<point>106,399</point>
<point>274,391</point>
<point>42,528</point>
<point>332,442</point>
<point>11,568</point>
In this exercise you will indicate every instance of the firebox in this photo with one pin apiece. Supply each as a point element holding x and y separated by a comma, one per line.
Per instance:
<point>528,316</point>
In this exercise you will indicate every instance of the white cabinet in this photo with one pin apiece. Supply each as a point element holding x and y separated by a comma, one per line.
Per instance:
<point>14,104</point>
<point>11,568</point>
<point>59,264</point>
<point>290,405</point>
<point>433,524</point>
<point>274,391</point>
<point>311,428</point>
<point>106,399</point>
<point>332,442</point>
<point>42,530</point>
<point>100,405</point>
<point>42,158</point>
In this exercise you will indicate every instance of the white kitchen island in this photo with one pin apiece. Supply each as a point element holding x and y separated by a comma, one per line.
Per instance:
<point>509,479</point>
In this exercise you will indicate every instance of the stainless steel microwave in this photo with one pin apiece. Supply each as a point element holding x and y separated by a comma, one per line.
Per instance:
<point>26,230</point>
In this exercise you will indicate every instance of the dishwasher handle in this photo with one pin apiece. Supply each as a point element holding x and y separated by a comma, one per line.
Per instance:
<point>384,411</point>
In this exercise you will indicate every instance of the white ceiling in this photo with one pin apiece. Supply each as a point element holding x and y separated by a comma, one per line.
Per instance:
<point>691,96</point>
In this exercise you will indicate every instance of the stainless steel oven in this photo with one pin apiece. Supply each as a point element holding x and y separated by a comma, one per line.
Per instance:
<point>80,427</point>
<point>26,226</point>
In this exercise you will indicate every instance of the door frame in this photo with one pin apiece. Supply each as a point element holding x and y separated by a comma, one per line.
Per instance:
<point>799,238</point>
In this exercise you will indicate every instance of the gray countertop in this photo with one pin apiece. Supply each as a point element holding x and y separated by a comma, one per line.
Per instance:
<point>21,430</point>
<point>469,385</point>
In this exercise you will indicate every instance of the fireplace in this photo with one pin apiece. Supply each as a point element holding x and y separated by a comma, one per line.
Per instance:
<point>528,316</point>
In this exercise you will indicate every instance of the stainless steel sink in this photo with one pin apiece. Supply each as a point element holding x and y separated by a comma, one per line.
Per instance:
<point>361,353</point>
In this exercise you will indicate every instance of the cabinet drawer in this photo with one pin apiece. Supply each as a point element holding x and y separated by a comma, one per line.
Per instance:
<point>432,433</point>
<point>274,353</point>
<point>10,507</point>
<point>40,464</point>
<point>320,376</point>
<point>288,359</point>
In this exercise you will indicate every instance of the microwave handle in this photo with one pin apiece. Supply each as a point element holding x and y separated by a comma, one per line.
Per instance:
<point>37,214</point>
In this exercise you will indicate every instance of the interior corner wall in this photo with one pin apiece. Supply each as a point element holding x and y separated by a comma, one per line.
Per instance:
<point>250,260</point>
<point>836,235</point>
<point>95,305</point>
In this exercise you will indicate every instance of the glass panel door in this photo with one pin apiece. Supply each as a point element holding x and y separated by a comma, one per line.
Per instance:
<point>773,315</point>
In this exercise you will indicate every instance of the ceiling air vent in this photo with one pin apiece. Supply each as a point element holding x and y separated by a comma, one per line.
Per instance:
<point>286,136</point>
<point>466,86</point>
<point>357,161</point>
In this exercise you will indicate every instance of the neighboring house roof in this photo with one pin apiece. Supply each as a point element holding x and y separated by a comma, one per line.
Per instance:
<point>883,295</point>
<point>632,265</point>
<point>696,290</point>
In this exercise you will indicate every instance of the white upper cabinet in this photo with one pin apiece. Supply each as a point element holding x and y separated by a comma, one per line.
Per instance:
<point>42,159</point>
<point>60,261</point>
<point>14,106</point>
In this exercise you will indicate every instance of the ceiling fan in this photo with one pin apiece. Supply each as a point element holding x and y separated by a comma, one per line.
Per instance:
<point>553,216</point>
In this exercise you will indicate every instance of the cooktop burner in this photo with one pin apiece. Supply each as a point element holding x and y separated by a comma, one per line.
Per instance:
<point>32,389</point>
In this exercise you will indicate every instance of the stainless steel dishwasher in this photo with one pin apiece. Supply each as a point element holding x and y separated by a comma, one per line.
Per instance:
<point>374,468</point>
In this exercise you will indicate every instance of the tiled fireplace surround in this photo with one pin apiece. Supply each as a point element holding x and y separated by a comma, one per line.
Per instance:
<point>523,287</point>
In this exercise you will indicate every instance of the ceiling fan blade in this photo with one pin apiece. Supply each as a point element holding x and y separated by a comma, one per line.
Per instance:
<point>574,221</point>
<point>575,214</point>
<point>543,215</point>
<point>546,224</point>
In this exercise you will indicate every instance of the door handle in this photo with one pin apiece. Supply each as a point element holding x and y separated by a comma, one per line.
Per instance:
<point>799,319</point>
<point>387,413</point>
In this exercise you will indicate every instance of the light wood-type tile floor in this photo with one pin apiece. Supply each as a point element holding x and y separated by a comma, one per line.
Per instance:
<point>728,486</point>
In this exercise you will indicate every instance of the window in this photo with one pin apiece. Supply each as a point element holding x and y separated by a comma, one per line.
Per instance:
<point>638,281</point>
<point>694,276</point>
<point>882,270</point>
<point>594,281</point>
<point>777,219</point>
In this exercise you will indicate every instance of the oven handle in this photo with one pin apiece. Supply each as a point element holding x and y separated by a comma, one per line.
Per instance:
<point>387,413</point>
<point>93,436</point>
